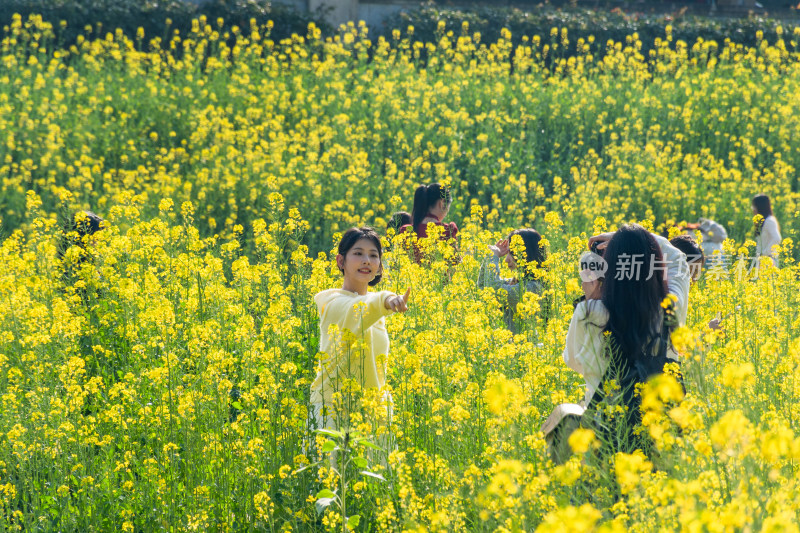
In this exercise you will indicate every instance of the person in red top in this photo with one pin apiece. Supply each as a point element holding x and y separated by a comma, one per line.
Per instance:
<point>431,204</point>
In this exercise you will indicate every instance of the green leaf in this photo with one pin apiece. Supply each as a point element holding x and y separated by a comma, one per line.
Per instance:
<point>325,493</point>
<point>373,475</point>
<point>352,521</point>
<point>330,433</point>
<point>368,444</point>
<point>237,405</point>
<point>329,446</point>
<point>305,467</point>
<point>360,462</point>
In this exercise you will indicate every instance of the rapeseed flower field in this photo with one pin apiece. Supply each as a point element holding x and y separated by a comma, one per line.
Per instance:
<point>156,376</point>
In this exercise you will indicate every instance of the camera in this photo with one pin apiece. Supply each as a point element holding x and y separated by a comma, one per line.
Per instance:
<point>595,248</point>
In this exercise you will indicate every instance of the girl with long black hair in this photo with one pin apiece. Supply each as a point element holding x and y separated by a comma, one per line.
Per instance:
<point>431,205</point>
<point>348,313</point>
<point>621,331</point>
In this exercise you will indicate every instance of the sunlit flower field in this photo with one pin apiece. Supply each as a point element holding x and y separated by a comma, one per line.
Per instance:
<point>157,377</point>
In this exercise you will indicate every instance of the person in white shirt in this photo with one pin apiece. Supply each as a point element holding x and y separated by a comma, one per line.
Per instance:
<point>623,316</point>
<point>714,234</point>
<point>695,259</point>
<point>768,232</point>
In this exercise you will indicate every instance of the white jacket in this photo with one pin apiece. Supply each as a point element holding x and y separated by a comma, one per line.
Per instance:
<point>712,231</point>
<point>584,347</point>
<point>714,235</point>
<point>770,236</point>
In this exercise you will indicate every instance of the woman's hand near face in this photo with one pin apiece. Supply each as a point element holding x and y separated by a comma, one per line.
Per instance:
<point>398,304</point>
<point>503,246</point>
<point>500,248</point>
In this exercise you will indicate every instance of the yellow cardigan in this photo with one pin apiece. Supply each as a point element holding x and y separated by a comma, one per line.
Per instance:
<point>353,341</point>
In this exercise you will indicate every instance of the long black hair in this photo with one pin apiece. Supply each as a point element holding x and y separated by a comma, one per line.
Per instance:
<point>426,197</point>
<point>762,204</point>
<point>633,301</point>
<point>531,239</point>
<point>352,236</point>
<point>635,326</point>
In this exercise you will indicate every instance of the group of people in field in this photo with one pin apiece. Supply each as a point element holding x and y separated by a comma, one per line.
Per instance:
<point>620,329</point>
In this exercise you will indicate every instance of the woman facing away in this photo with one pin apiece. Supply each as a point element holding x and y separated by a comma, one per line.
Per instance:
<point>768,232</point>
<point>514,288</point>
<point>620,331</point>
<point>398,221</point>
<point>353,338</point>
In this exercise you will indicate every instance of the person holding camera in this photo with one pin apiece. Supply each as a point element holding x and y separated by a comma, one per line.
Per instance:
<point>621,331</point>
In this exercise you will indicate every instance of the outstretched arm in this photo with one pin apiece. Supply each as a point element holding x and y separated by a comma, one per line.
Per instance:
<point>359,312</point>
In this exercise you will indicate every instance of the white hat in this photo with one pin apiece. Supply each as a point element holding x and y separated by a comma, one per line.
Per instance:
<point>592,267</point>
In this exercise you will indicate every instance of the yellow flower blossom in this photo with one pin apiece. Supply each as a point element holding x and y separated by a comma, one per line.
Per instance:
<point>581,440</point>
<point>629,469</point>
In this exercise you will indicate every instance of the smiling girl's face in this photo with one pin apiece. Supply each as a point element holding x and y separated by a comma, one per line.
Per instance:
<point>360,264</point>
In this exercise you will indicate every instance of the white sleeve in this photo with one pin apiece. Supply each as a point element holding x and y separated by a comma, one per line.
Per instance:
<point>678,277</point>
<point>576,337</point>
<point>490,273</point>
<point>583,350</point>
<point>770,236</point>
<point>355,313</point>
